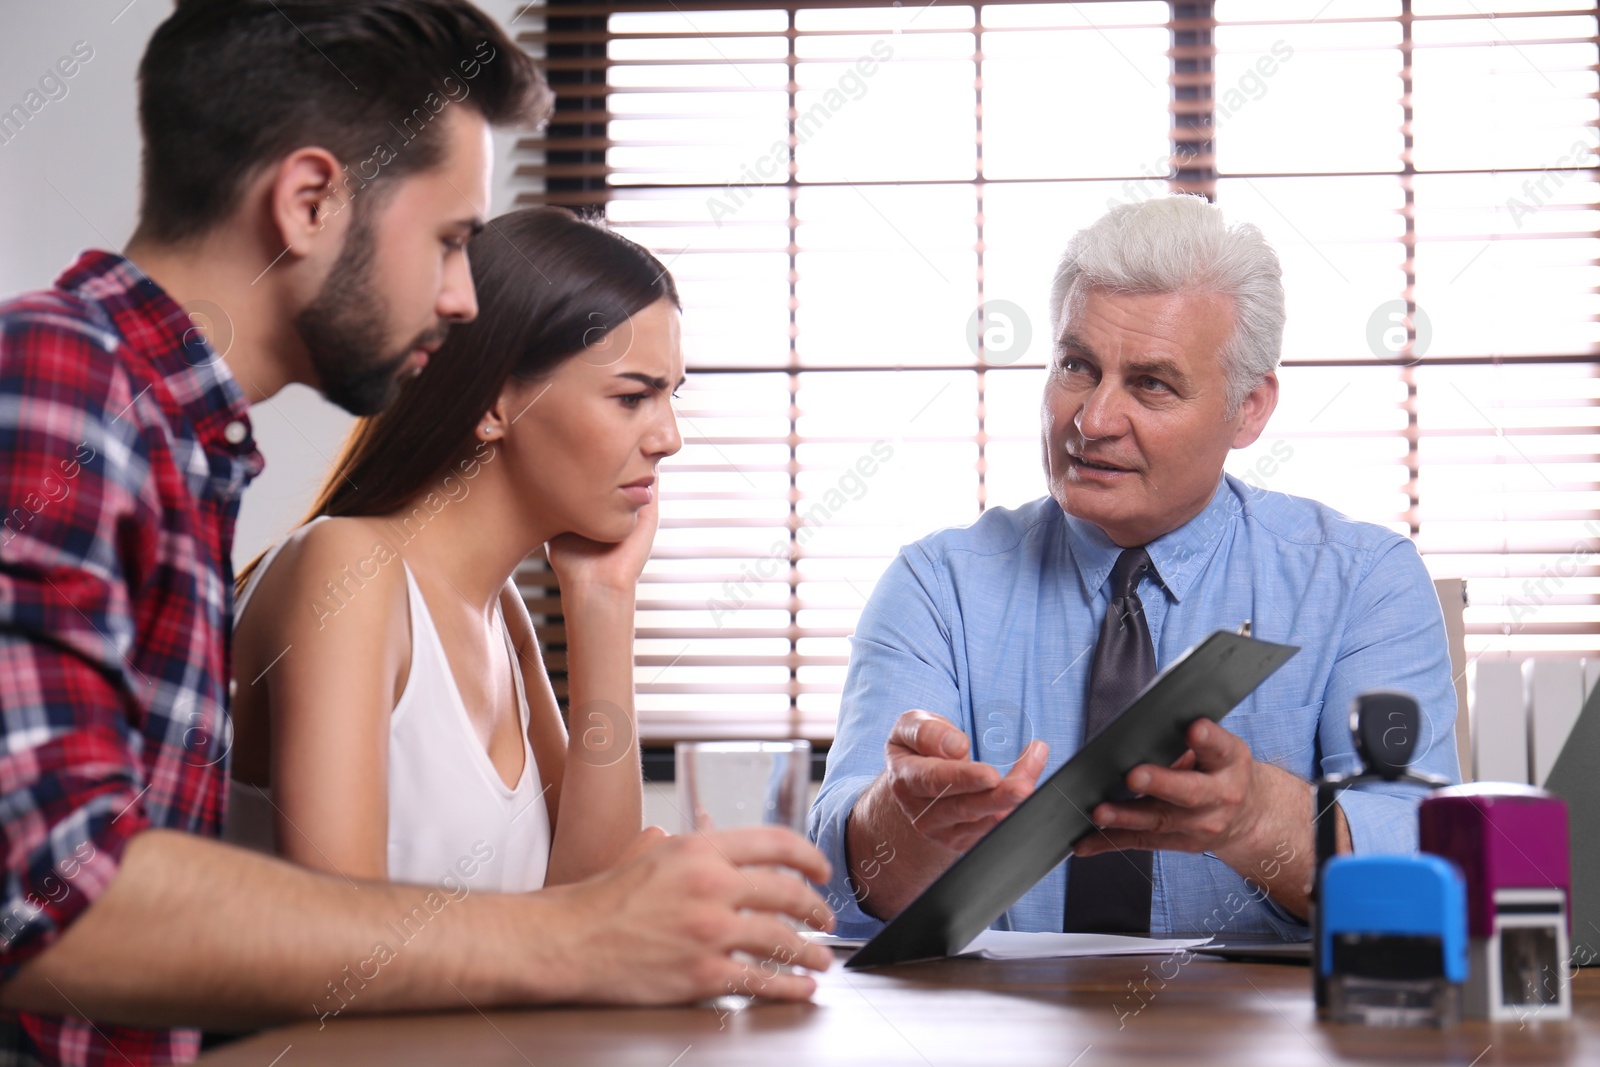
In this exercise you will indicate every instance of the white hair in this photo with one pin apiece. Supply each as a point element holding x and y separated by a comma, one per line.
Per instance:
<point>1175,244</point>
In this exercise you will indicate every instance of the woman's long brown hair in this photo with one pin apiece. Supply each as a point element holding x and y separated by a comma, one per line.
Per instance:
<point>549,284</point>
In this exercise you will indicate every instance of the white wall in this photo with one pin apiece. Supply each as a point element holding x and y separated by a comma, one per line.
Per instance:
<point>69,181</point>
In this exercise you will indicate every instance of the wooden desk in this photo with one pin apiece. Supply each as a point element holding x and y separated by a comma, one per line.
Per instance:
<point>1059,1012</point>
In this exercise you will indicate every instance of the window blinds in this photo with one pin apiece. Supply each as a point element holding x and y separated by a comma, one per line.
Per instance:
<point>838,187</point>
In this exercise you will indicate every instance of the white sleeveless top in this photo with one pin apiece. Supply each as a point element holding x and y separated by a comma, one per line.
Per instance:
<point>452,820</point>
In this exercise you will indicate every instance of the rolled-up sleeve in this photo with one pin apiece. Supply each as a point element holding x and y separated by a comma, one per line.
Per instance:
<point>1395,639</point>
<point>70,779</point>
<point>900,659</point>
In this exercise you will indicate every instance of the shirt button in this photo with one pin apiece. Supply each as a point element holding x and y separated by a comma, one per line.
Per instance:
<point>236,431</point>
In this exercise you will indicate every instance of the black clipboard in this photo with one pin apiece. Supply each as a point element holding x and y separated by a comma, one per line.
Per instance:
<point>1207,681</point>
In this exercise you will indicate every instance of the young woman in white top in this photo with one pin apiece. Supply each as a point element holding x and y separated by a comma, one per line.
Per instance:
<point>392,715</point>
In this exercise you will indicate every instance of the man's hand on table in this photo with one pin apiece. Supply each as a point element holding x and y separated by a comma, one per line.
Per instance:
<point>662,926</point>
<point>1217,798</point>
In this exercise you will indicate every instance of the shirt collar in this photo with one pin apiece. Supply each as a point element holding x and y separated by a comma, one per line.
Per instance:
<point>159,329</point>
<point>1177,557</point>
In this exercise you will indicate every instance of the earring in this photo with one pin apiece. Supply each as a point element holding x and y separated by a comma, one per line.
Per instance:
<point>488,430</point>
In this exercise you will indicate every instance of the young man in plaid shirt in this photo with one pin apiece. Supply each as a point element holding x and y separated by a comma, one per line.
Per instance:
<point>312,171</point>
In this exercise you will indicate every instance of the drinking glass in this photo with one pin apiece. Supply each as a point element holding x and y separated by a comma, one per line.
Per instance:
<point>725,784</point>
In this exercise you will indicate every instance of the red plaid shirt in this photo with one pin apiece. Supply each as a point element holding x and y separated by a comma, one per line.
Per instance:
<point>124,448</point>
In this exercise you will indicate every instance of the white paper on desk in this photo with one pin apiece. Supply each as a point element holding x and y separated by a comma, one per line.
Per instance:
<point>831,941</point>
<point>1016,945</point>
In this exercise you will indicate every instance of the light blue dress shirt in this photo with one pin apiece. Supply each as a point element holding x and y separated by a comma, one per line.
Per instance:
<point>994,625</point>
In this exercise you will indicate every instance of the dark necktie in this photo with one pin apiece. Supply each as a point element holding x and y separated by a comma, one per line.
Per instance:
<point>1110,893</point>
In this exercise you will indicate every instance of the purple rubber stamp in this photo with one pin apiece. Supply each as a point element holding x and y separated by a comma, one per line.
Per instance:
<point>1511,843</point>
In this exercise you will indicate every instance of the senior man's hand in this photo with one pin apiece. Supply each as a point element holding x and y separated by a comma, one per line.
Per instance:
<point>947,798</point>
<point>1217,798</point>
<point>930,803</point>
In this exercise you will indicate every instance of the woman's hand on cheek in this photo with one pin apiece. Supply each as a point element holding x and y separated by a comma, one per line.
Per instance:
<point>580,562</point>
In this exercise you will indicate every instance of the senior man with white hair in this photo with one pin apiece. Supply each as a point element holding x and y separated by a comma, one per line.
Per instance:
<point>1009,642</point>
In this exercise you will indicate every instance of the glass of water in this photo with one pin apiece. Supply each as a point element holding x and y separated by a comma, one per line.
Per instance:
<point>723,785</point>
<point>726,784</point>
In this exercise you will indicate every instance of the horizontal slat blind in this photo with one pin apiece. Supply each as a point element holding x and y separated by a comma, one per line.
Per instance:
<point>838,186</point>
<point>1465,202</point>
